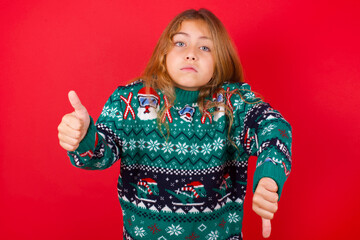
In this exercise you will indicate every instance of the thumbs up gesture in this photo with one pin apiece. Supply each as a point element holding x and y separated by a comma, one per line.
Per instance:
<point>265,203</point>
<point>73,126</point>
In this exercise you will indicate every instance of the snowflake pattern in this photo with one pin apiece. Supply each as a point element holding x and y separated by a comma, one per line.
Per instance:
<point>194,149</point>
<point>112,112</point>
<point>206,148</point>
<point>233,218</point>
<point>174,230</point>
<point>154,228</point>
<point>193,236</point>
<point>100,164</point>
<point>238,104</point>
<point>139,231</point>
<point>218,144</point>
<point>153,145</point>
<point>105,111</point>
<point>124,145</point>
<point>132,144</point>
<point>268,129</point>
<point>213,235</point>
<point>181,148</point>
<point>141,143</point>
<point>168,147</point>
<point>249,96</point>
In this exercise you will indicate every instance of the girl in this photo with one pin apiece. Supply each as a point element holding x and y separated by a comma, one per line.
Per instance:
<point>184,132</point>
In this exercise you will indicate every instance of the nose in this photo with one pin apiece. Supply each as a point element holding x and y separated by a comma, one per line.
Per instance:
<point>190,55</point>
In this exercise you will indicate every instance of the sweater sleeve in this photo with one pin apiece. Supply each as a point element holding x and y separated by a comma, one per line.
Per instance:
<point>267,135</point>
<point>101,146</point>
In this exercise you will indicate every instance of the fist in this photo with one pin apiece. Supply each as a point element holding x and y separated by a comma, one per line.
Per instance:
<point>73,126</point>
<point>265,203</point>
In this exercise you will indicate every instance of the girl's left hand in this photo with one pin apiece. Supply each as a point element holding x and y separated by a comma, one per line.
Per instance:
<point>265,203</point>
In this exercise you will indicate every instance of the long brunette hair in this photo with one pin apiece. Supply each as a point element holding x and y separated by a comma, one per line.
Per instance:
<point>227,64</point>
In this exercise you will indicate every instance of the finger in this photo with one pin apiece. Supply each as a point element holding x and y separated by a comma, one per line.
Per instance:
<point>272,197</point>
<point>75,102</point>
<point>269,184</point>
<point>72,121</point>
<point>266,205</point>
<point>266,227</point>
<point>69,132</point>
<point>68,147</point>
<point>262,212</point>
<point>69,140</point>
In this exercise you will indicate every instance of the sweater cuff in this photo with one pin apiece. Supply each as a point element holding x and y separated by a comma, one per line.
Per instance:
<point>88,142</point>
<point>272,170</point>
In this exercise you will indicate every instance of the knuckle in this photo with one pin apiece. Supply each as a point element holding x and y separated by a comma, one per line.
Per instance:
<point>76,144</point>
<point>77,135</point>
<point>63,146</point>
<point>71,148</point>
<point>65,118</point>
<point>72,141</point>
<point>254,208</point>
<point>275,208</point>
<point>78,124</point>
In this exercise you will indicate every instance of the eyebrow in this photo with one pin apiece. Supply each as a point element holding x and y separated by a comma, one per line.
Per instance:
<point>188,35</point>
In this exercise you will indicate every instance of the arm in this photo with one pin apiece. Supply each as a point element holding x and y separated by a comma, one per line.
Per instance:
<point>100,146</point>
<point>271,135</point>
<point>267,135</point>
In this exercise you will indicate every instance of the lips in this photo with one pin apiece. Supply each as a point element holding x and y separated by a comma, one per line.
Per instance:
<point>189,69</point>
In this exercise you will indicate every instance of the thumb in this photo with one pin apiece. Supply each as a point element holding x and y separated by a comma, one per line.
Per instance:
<point>266,227</point>
<point>80,110</point>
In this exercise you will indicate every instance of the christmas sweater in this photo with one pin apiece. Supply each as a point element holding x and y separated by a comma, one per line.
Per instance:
<point>188,183</point>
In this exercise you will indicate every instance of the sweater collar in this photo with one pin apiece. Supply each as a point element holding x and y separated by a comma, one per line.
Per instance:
<point>185,96</point>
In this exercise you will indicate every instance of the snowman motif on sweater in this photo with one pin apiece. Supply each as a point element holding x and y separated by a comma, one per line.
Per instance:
<point>149,104</point>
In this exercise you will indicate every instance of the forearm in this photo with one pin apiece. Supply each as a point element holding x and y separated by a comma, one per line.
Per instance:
<point>99,149</point>
<point>273,149</point>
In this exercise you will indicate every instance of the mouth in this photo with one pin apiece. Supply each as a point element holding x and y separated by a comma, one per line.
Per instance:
<point>188,69</point>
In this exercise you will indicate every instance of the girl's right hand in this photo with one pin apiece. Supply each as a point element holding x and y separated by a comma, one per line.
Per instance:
<point>73,126</point>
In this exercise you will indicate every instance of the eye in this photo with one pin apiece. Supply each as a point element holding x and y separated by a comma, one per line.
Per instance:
<point>204,48</point>
<point>179,44</point>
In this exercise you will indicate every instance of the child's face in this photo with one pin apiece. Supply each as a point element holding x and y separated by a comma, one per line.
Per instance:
<point>190,62</point>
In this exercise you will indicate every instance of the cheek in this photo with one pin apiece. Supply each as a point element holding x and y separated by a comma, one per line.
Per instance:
<point>170,60</point>
<point>211,67</point>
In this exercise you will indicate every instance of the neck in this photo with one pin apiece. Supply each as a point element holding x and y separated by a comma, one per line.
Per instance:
<point>185,96</point>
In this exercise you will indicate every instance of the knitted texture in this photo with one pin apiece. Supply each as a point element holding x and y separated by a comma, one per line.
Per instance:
<point>190,184</point>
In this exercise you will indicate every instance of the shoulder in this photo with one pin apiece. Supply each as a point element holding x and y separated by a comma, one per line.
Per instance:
<point>138,90</point>
<point>125,93</point>
<point>131,87</point>
<point>239,92</point>
<point>238,85</point>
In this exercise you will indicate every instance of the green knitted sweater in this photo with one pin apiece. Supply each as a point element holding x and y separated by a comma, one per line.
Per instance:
<point>190,184</point>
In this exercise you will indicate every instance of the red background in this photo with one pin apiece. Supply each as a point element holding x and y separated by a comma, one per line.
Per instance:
<point>302,55</point>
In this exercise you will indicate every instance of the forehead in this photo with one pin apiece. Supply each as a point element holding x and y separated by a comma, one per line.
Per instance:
<point>194,29</point>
